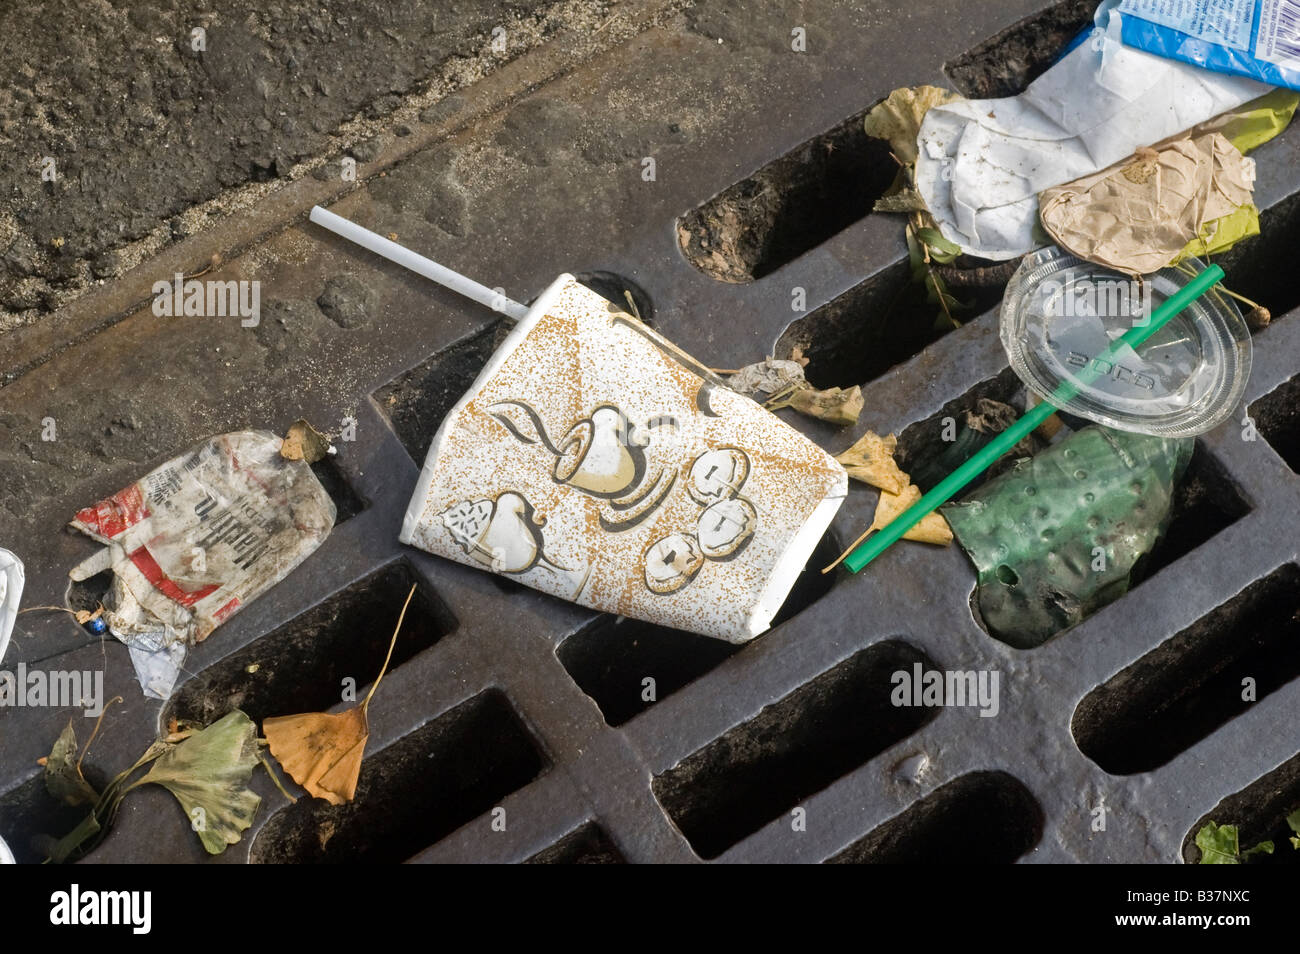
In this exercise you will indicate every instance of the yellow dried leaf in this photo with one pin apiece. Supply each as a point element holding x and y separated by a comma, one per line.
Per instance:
<point>933,528</point>
<point>898,118</point>
<point>321,751</point>
<point>871,460</point>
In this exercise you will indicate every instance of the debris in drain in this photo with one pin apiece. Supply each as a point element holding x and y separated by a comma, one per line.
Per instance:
<point>1188,195</point>
<point>685,504</point>
<point>11,591</point>
<point>768,377</point>
<point>932,528</point>
<point>1254,38</point>
<point>839,406</point>
<point>871,460</point>
<point>897,119</point>
<point>1220,846</point>
<point>207,769</point>
<point>982,163</point>
<point>322,751</point>
<point>198,538</point>
<point>781,383</point>
<point>979,424</point>
<point>1084,512</point>
<point>303,442</point>
<point>1139,216</point>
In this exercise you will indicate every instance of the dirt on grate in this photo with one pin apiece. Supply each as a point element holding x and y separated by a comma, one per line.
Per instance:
<point>149,137</point>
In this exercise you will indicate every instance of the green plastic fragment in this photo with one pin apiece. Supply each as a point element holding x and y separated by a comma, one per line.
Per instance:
<point>1056,538</point>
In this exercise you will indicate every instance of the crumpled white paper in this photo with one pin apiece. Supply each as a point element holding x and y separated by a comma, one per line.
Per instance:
<point>6,856</point>
<point>982,163</point>
<point>11,590</point>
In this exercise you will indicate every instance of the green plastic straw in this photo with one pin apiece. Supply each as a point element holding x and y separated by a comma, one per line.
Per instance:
<point>879,541</point>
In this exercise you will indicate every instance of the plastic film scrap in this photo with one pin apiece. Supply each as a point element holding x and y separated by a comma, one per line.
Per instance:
<point>197,539</point>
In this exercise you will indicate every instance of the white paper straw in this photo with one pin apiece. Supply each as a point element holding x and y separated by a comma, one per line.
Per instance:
<point>418,263</point>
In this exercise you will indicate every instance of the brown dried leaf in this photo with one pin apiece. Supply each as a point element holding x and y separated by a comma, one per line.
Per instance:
<point>933,528</point>
<point>871,460</point>
<point>322,751</point>
<point>303,442</point>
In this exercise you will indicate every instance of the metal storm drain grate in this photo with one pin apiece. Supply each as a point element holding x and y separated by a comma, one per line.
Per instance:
<point>515,727</point>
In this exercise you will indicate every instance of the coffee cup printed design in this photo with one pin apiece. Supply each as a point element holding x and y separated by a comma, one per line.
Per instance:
<point>602,455</point>
<point>725,526</point>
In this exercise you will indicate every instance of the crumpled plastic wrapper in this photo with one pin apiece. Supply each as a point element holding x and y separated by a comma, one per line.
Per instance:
<point>1056,538</point>
<point>6,856</point>
<point>11,591</point>
<point>594,460</point>
<point>196,540</point>
<point>982,163</point>
<point>1138,215</point>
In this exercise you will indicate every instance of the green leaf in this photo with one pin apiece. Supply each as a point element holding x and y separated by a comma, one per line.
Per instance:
<point>1263,848</point>
<point>208,773</point>
<point>1293,821</point>
<point>1218,844</point>
<point>941,250</point>
<point>63,778</point>
<point>73,840</point>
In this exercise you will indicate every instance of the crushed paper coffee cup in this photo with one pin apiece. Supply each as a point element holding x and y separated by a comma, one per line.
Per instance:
<point>595,461</point>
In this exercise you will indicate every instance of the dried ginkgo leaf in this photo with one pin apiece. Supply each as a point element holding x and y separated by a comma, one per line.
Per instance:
<point>322,751</point>
<point>871,460</point>
<point>208,773</point>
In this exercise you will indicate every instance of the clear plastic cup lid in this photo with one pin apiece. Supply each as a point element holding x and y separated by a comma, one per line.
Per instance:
<point>1060,313</point>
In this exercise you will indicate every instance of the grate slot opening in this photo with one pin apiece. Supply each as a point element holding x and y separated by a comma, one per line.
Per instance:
<point>793,748</point>
<point>32,820</point>
<point>417,401</point>
<point>1277,418</point>
<point>346,502</point>
<point>789,206</point>
<point>877,324</point>
<point>588,845</point>
<point>1259,268</point>
<point>920,444</point>
<point>1008,62</point>
<point>414,792</point>
<point>936,830</point>
<point>302,665</point>
<point>1259,811</point>
<point>1192,684</point>
<point>610,657</point>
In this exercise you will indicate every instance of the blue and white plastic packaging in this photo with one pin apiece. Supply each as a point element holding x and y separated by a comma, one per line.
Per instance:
<point>1255,38</point>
